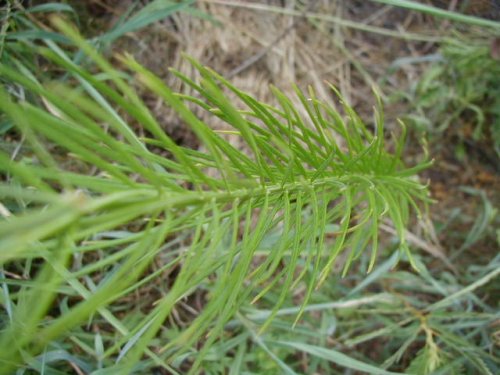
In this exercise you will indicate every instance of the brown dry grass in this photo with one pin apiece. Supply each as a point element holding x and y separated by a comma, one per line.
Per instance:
<point>258,48</point>
<point>255,45</point>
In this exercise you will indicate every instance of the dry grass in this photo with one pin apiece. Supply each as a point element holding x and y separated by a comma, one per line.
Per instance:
<point>259,47</point>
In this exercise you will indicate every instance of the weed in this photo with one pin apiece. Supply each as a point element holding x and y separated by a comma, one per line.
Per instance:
<point>461,92</point>
<point>296,181</point>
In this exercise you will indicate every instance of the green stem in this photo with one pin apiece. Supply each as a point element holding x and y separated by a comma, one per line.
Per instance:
<point>441,13</point>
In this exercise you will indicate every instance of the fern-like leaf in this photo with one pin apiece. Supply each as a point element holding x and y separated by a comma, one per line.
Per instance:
<point>91,198</point>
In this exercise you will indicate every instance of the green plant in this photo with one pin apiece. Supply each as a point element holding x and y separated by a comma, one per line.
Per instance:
<point>23,29</point>
<point>91,215</point>
<point>442,13</point>
<point>461,91</point>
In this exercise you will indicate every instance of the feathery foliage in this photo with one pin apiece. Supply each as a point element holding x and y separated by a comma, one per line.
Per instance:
<point>93,214</point>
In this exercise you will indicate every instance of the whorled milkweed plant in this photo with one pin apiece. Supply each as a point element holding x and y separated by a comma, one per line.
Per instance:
<point>92,216</point>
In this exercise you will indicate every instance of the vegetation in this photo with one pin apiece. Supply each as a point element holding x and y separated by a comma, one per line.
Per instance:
<point>447,96</point>
<point>122,251</point>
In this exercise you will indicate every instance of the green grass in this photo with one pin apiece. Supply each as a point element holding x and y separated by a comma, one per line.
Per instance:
<point>297,179</point>
<point>265,260</point>
<point>23,29</point>
<point>442,13</point>
<point>459,91</point>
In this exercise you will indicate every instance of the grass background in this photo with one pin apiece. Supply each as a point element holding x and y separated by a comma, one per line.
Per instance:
<point>436,70</point>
